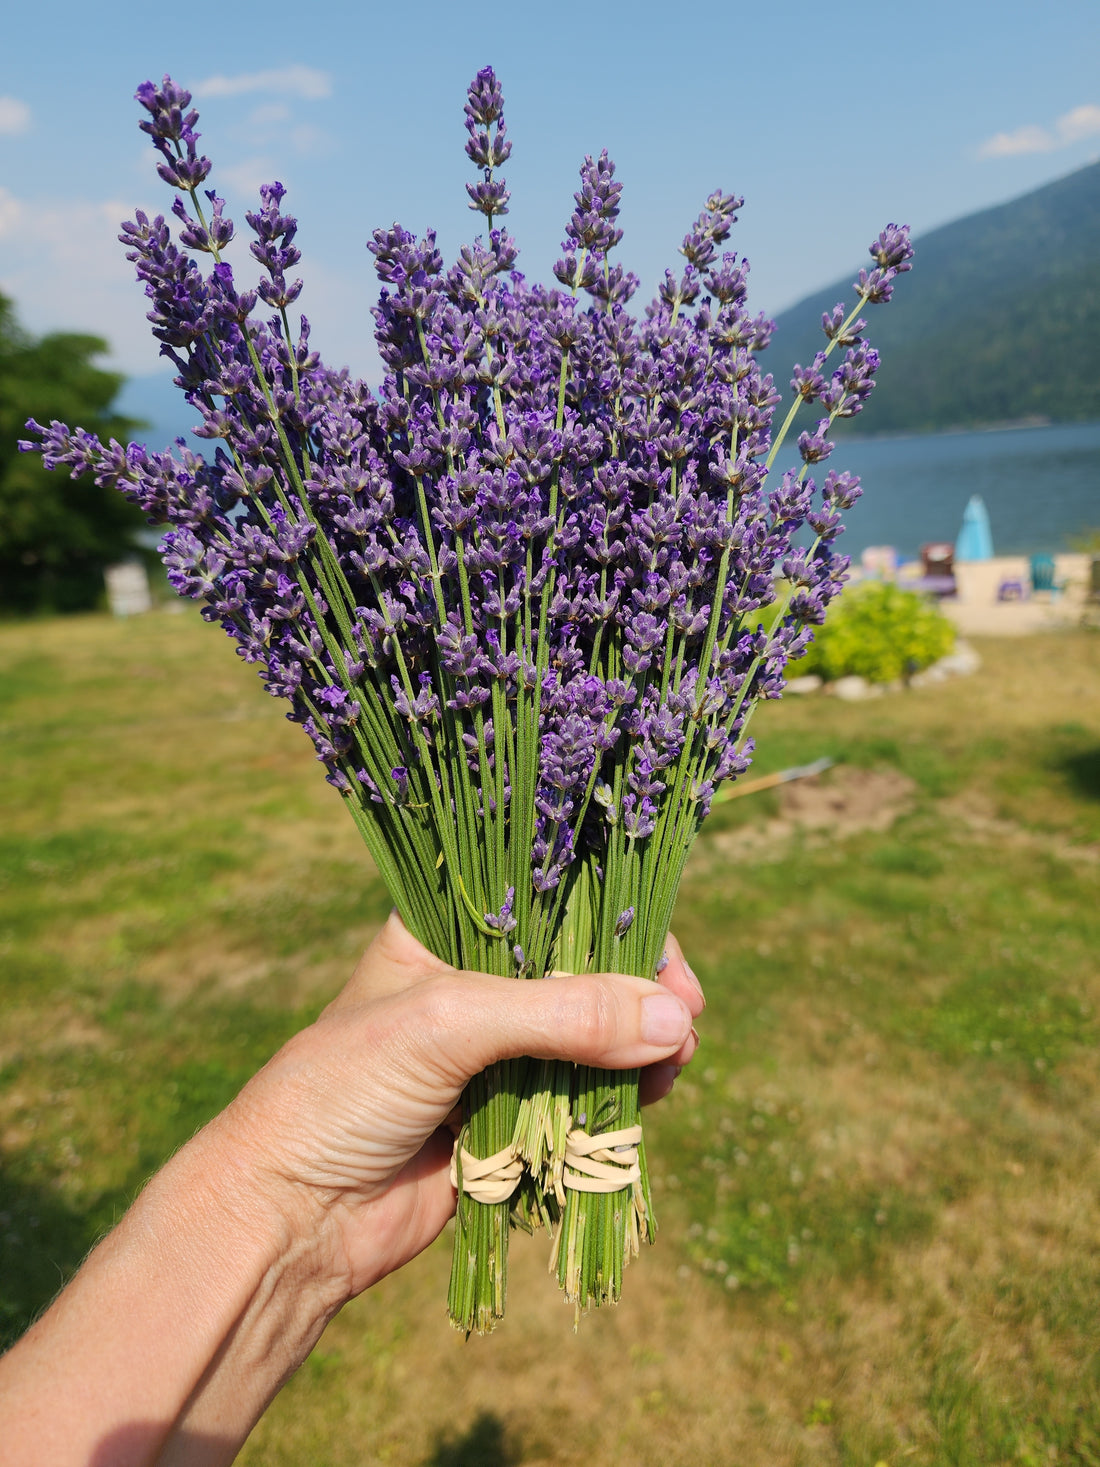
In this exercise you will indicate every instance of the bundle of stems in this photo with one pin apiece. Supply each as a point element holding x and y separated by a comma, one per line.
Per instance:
<point>514,596</point>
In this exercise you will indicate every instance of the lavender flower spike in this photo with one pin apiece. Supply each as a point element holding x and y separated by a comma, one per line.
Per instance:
<point>521,597</point>
<point>487,147</point>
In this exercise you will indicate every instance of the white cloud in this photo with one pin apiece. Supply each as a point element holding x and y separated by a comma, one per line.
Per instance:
<point>65,270</point>
<point>1073,126</point>
<point>15,116</point>
<point>1010,144</point>
<point>310,141</point>
<point>269,113</point>
<point>1082,122</point>
<point>274,123</point>
<point>244,178</point>
<point>11,211</point>
<point>294,81</point>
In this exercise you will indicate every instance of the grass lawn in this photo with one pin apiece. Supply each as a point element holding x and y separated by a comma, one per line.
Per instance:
<point>877,1184</point>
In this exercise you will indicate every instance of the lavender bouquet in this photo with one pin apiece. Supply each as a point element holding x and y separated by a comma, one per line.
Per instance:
<point>514,597</point>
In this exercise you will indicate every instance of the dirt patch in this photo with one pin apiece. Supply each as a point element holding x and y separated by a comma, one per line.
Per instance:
<point>33,1030</point>
<point>846,800</point>
<point>975,815</point>
<point>840,803</point>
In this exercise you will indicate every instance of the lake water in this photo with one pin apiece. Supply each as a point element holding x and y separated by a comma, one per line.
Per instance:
<point>1041,487</point>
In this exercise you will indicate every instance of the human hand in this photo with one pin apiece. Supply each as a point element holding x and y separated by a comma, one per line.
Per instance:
<point>346,1126</point>
<point>329,1170</point>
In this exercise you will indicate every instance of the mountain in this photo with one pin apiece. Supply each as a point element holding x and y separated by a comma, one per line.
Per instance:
<point>999,320</point>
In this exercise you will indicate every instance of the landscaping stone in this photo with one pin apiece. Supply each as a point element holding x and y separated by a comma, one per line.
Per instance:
<point>962,662</point>
<point>810,683</point>
<point>854,689</point>
<point>929,677</point>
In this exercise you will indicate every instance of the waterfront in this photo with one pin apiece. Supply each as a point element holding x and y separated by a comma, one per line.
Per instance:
<point>1041,486</point>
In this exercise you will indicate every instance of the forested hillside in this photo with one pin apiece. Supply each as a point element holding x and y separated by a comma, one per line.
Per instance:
<point>1000,319</point>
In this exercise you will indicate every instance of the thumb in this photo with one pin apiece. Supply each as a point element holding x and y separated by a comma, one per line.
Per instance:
<point>394,961</point>
<point>608,1020</point>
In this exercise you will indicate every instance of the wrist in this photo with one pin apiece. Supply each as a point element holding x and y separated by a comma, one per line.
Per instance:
<point>279,1226</point>
<point>255,1250</point>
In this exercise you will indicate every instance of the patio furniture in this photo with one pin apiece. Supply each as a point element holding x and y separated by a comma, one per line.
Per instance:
<point>1012,590</point>
<point>938,569</point>
<point>1042,575</point>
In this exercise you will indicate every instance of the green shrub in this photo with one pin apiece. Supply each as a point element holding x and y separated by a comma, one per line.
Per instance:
<point>878,631</point>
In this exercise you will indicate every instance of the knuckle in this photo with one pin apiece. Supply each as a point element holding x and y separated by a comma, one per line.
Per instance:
<point>438,1003</point>
<point>593,1017</point>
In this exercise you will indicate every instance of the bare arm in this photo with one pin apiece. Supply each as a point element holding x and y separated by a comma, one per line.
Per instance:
<point>328,1171</point>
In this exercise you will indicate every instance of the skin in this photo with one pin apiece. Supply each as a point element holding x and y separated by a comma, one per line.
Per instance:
<point>327,1172</point>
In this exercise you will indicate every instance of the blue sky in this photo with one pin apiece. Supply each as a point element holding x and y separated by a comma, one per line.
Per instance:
<point>829,122</point>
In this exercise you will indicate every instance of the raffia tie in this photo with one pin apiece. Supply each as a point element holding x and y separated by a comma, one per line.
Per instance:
<point>489,1179</point>
<point>604,1163</point>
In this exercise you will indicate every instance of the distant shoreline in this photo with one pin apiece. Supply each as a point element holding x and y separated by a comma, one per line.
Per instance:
<point>1008,425</point>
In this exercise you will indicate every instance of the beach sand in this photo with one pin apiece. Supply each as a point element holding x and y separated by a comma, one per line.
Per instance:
<point>976,611</point>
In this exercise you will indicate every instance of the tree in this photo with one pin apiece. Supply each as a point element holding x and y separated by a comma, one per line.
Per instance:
<point>56,534</point>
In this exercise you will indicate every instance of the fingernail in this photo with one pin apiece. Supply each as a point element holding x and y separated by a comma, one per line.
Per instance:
<point>695,981</point>
<point>665,1020</point>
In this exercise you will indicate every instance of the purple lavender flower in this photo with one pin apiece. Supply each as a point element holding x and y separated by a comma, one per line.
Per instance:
<point>487,146</point>
<point>815,446</point>
<point>513,596</point>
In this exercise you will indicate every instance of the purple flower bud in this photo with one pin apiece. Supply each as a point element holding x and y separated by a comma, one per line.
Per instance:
<point>504,921</point>
<point>486,146</point>
<point>832,321</point>
<point>892,250</point>
<point>808,382</point>
<point>489,196</point>
<point>852,382</point>
<point>814,447</point>
<point>400,777</point>
<point>841,490</point>
<point>484,99</point>
<point>710,229</point>
<point>591,226</point>
<point>877,286</point>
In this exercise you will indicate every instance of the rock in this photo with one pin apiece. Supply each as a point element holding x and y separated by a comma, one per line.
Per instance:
<point>929,677</point>
<point>962,662</point>
<point>853,689</point>
<point>810,683</point>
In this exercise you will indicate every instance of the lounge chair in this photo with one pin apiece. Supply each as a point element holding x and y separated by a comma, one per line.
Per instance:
<point>1042,576</point>
<point>938,569</point>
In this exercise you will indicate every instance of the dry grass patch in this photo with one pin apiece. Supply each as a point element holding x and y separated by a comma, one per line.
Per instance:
<point>876,1185</point>
<point>976,815</point>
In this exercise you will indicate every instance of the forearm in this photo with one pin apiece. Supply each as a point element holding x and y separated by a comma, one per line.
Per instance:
<point>177,1331</point>
<point>329,1170</point>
